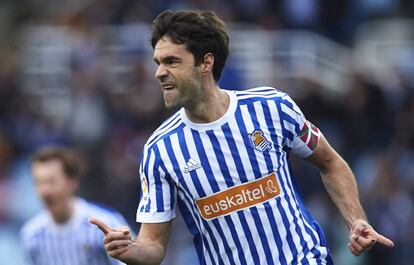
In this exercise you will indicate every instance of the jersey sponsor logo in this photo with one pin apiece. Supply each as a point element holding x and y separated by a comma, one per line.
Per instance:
<point>191,165</point>
<point>310,134</point>
<point>238,197</point>
<point>259,141</point>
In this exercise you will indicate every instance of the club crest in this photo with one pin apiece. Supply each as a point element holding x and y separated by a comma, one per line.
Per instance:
<point>259,141</point>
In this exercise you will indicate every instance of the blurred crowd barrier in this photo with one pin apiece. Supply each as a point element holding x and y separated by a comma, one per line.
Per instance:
<point>93,88</point>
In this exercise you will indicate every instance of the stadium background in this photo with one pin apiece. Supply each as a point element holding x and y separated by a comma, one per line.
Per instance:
<point>80,73</point>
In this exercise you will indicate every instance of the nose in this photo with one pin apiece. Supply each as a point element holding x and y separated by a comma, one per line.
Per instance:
<point>161,73</point>
<point>44,189</point>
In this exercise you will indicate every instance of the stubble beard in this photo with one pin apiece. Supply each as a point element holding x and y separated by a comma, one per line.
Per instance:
<point>188,93</point>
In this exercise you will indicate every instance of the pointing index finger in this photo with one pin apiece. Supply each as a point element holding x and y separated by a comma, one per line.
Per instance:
<point>383,240</point>
<point>101,225</point>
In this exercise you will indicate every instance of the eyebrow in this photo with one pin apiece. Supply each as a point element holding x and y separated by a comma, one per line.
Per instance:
<point>167,58</point>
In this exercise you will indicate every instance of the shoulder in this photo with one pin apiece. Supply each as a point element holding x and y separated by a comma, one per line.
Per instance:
<point>35,226</point>
<point>266,93</point>
<point>168,127</point>
<point>259,93</point>
<point>101,212</point>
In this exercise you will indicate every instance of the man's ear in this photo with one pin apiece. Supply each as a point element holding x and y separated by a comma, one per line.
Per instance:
<point>207,64</point>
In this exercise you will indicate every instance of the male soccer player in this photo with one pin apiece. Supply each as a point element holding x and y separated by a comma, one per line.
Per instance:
<point>223,158</point>
<point>61,234</point>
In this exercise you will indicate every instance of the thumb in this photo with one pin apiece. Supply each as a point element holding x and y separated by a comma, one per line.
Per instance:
<point>101,225</point>
<point>358,228</point>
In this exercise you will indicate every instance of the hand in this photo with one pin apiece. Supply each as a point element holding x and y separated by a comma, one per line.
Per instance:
<point>362,237</point>
<point>117,241</point>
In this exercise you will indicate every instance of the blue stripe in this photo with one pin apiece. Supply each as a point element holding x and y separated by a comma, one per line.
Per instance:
<point>286,117</point>
<point>197,237</point>
<point>196,180</point>
<point>177,171</point>
<point>172,193</point>
<point>215,187</point>
<point>157,181</point>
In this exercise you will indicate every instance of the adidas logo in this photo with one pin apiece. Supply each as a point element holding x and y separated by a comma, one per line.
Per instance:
<point>191,165</point>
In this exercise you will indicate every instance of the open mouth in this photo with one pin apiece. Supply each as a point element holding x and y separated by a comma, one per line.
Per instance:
<point>167,87</point>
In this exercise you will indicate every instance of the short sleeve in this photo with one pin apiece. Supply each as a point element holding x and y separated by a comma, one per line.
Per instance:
<point>157,199</point>
<point>299,135</point>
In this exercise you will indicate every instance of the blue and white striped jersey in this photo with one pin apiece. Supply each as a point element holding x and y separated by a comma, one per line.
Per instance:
<point>232,181</point>
<point>76,242</point>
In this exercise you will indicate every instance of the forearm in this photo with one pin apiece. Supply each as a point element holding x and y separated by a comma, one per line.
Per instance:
<point>144,251</point>
<point>342,188</point>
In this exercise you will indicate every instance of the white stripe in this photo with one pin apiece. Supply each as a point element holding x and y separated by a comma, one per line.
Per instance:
<point>258,93</point>
<point>166,192</point>
<point>151,183</point>
<point>290,127</point>
<point>256,96</point>
<point>259,88</point>
<point>291,112</point>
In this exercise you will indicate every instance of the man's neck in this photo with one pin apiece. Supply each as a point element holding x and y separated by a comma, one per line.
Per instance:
<point>212,105</point>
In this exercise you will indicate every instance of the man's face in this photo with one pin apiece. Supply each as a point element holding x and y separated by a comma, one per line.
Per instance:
<point>53,187</point>
<point>180,79</point>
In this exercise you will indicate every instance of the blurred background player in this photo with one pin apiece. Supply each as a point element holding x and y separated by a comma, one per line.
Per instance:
<point>61,233</point>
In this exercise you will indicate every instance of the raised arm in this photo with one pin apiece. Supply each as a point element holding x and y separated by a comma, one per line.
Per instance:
<point>148,248</point>
<point>342,188</point>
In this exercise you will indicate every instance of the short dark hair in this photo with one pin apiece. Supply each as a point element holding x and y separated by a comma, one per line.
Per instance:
<point>201,32</point>
<point>69,162</point>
